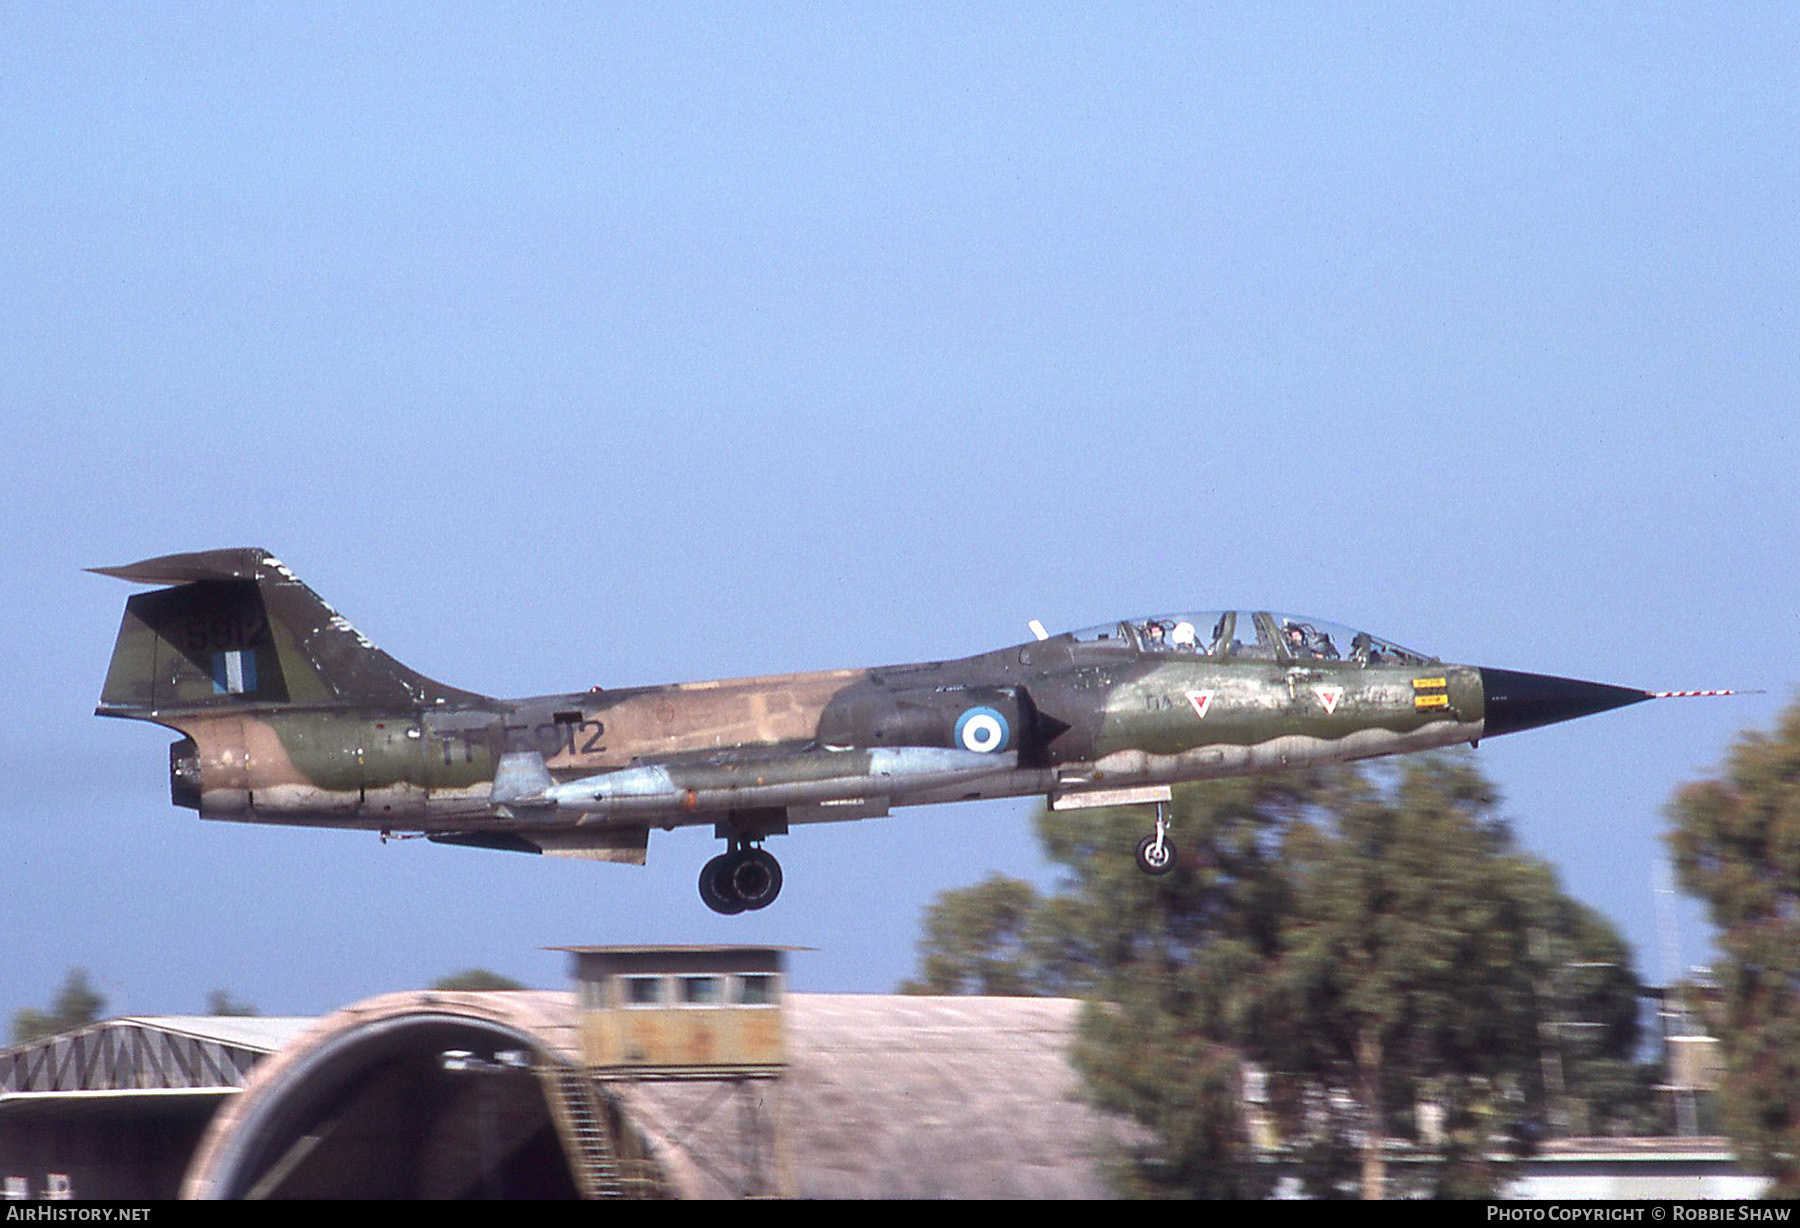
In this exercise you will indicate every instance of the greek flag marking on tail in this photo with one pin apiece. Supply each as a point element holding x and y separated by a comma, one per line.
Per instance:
<point>234,672</point>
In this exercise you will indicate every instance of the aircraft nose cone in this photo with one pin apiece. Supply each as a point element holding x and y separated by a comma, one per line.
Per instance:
<point>1516,701</point>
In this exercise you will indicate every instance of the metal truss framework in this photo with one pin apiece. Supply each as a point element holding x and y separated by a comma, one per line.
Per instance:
<point>125,1055</point>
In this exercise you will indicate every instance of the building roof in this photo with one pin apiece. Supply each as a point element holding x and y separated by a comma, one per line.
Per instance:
<point>145,1054</point>
<point>906,1097</point>
<point>1655,1147</point>
<point>679,948</point>
<point>265,1032</point>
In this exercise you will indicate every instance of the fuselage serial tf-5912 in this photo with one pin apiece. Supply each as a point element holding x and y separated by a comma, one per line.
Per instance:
<point>289,715</point>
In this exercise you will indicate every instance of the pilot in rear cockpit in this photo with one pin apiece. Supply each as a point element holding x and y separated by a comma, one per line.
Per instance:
<point>1305,640</point>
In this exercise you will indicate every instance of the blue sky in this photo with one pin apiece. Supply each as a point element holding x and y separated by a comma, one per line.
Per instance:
<point>565,345</point>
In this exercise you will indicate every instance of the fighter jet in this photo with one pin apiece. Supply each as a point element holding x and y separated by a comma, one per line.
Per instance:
<point>289,715</point>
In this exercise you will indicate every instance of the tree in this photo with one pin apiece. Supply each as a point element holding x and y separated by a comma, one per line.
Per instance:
<point>76,1005</point>
<point>1367,947</point>
<point>977,941</point>
<point>220,1002</point>
<point>476,980</point>
<point>1587,998</point>
<point>1447,983</point>
<point>1736,844</point>
<point>1177,972</point>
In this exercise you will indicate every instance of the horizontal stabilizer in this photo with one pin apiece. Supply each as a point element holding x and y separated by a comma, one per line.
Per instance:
<point>245,563</point>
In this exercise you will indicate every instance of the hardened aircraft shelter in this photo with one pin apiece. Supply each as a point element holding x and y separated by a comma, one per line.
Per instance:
<point>673,1072</point>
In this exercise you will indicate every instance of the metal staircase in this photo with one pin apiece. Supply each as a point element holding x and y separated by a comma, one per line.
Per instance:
<point>587,1133</point>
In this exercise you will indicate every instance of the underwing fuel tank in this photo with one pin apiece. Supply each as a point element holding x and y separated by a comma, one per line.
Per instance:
<point>810,776</point>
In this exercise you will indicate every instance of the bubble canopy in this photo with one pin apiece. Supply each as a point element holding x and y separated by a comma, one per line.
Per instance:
<point>1266,635</point>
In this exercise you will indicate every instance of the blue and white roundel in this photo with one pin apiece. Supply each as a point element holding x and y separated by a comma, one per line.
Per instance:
<point>982,730</point>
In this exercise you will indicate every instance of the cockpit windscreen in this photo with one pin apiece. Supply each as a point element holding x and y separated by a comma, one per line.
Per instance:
<point>1251,635</point>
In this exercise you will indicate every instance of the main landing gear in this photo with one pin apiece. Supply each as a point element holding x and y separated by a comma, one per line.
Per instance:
<point>742,880</point>
<point>1156,854</point>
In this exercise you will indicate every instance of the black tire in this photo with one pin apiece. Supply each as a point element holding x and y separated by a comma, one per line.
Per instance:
<point>1147,859</point>
<point>715,886</point>
<point>755,878</point>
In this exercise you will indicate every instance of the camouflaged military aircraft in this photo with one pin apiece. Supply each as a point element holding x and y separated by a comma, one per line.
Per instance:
<point>289,715</point>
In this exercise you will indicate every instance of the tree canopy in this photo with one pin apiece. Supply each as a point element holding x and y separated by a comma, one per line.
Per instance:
<point>76,1005</point>
<point>475,979</point>
<point>1736,844</point>
<point>978,941</point>
<point>1356,955</point>
<point>221,1002</point>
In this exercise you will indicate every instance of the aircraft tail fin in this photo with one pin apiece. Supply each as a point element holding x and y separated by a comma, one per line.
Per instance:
<point>237,628</point>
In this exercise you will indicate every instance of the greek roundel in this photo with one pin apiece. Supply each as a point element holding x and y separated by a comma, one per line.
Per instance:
<point>982,730</point>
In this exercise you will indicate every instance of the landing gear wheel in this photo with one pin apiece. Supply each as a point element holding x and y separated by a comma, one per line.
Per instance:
<point>1156,855</point>
<point>755,878</point>
<point>715,886</point>
<point>742,880</point>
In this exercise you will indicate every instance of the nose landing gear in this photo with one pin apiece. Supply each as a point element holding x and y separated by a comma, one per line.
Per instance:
<point>741,880</point>
<point>1156,854</point>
